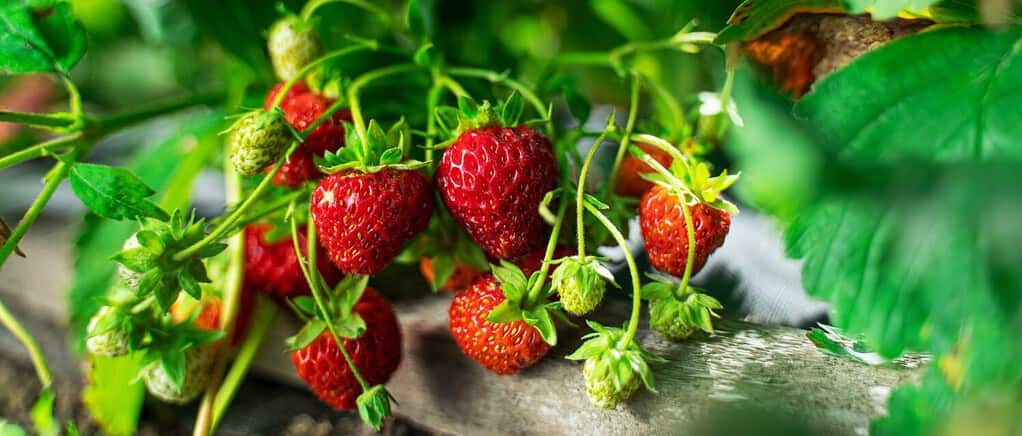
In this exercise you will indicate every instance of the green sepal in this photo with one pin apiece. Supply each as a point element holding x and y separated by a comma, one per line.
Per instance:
<point>512,280</point>
<point>139,259</point>
<point>309,332</point>
<point>506,311</point>
<point>540,319</point>
<point>381,150</point>
<point>374,406</point>
<point>173,363</point>
<point>351,326</point>
<point>443,268</point>
<point>189,285</point>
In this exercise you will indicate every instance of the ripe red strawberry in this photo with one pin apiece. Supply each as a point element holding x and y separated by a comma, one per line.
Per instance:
<point>461,278</point>
<point>493,180</point>
<point>363,219</point>
<point>272,267</point>
<point>503,348</point>
<point>663,228</point>
<point>302,108</point>
<point>629,176</point>
<point>376,354</point>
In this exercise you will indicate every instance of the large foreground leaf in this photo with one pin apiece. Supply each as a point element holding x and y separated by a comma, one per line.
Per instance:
<point>953,94</point>
<point>39,36</point>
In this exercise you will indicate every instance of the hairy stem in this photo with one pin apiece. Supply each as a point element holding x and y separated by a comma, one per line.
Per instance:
<point>39,150</point>
<point>112,123</point>
<point>690,261</point>
<point>633,269</point>
<point>581,189</point>
<point>42,369</point>
<point>633,112</point>
<point>551,246</point>
<point>308,67</point>
<point>372,8</point>
<point>37,120</point>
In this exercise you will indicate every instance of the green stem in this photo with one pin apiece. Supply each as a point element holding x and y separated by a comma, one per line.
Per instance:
<point>662,144</point>
<point>39,150</point>
<point>510,83</point>
<point>725,100</point>
<point>228,222</point>
<point>229,309</point>
<point>363,80</point>
<point>111,123</point>
<point>313,274</point>
<point>37,120</point>
<point>690,261</point>
<point>551,246</point>
<point>384,16</point>
<point>678,122</point>
<point>271,207</point>
<point>633,322</point>
<point>583,58</point>
<point>308,67</point>
<point>633,113</point>
<point>581,189</point>
<point>432,101</point>
<point>42,369</point>
<point>265,311</point>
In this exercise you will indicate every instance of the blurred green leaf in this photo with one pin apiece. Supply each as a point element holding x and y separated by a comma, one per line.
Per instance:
<point>955,99</point>
<point>114,193</point>
<point>884,9</point>
<point>42,414</point>
<point>114,397</point>
<point>8,428</point>
<point>39,36</point>
<point>753,18</point>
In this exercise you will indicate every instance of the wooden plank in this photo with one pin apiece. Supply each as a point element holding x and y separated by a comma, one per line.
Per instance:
<point>742,364</point>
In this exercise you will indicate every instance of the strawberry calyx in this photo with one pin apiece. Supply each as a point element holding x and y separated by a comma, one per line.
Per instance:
<point>379,150</point>
<point>470,115</point>
<point>580,282</point>
<point>446,246</point>
<point>677,313</point>
<point>168,342</point>
<point>339,305</point>
<point>614,366</point>
<point>691,181</point>
<point>520,305</point>
<point>156,258</point>
<point>374,406</point>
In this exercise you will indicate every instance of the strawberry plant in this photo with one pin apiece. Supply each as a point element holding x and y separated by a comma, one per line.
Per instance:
<point>353,135</point>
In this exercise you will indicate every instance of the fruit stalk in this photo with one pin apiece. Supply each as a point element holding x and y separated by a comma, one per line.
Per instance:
<point>363,80</point>
<point>36,120</point>
<point>581,189</point>
<point>633,269</point>
<point>633,113</point>
<point>551,246</point>
<point>311,7</point>
<point>231,302</point>
<point>312,275</point>
<point>308,67</point>
<point>690,261</point>
<point>108,124</point>
<point>231,219</point>
<point>42,368</point>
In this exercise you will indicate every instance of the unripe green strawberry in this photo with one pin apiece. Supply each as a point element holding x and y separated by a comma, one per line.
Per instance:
<point>198,365</point>
<point>614,367</point>
<point>129,277</point>
<point>580,283</point>
<point>676,319</point>
<point>106,335</point>
<point>292,45</point>
<point>601,387</point>
<point>257,140</point>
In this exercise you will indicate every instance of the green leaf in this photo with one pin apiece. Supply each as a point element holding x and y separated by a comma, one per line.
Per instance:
<point>114,193</point>
<point>239,27</point>
<point>753,18</point>
<point>42,413</point>
<point>39,36</point>
<point>578,104</point>
<point>114,400</point>
<point>189,285</point>
<point>8,428</point>
<point>885,9</point>
<point>955,99</point>
<point>419,19</point>
<point>830,340</point>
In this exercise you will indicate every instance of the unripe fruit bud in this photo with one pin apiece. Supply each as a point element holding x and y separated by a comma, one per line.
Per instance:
<point>198,365</point>
<point>257,140</point>
<point>105,335</point>
<point>292,44</point>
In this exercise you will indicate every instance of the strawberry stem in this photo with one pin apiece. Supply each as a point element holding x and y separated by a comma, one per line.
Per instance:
<point>551,246</point>
<point>381,13</point>
<point>690,260</point>
<point>369,46</point>
<point>633,269</point>
<point>503,79</point>
<point>265,311</point>
<point>234,216</point>
<point>633,112</point>
<point>12,324</point>
<point>581,188</point>
<point>356,86</point>
<point>39,150</point>
<point>314,286</point>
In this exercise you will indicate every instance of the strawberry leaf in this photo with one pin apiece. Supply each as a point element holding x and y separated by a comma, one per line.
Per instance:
<point>114,400</point>
<point>114,193</point>
<point>39,36</point>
